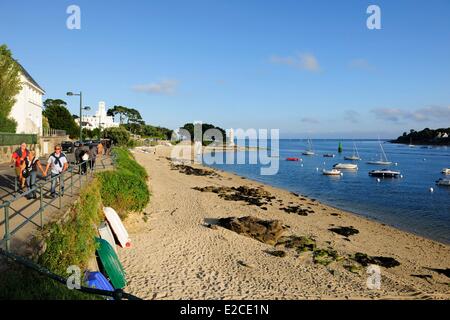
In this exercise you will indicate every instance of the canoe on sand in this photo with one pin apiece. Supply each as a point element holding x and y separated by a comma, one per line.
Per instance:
<point>111,264</point>
<point>117,227</point>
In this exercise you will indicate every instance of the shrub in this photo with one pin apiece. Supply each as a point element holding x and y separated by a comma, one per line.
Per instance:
<point>119,136</point>
<point>123,191</point>
<point>124,161</point>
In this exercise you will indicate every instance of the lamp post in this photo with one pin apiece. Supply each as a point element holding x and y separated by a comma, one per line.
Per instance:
<point>81,110</point>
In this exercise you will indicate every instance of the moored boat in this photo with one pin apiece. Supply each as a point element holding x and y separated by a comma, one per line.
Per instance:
<point>383,159</point>
<point>309,151</point>
<point>446,171</point>
<point>329,155</point>
<point>443,182</point>
<point>355,156</point>
<point>384,173</point>
<point>346,166</point>
<point>292,159</point>
<point>332,172</point>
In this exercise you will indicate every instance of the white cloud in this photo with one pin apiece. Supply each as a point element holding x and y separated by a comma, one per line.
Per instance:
<point>430,113</point>
<point>304,61</point>
<point>165,87</point>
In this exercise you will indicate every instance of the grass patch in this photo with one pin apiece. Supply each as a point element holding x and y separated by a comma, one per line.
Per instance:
<point>18,283</point>
<point>125,189</point>
<point>72,242</point>
<point>125,161</point>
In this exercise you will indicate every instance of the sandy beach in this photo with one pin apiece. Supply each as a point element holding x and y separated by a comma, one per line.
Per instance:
<point>176,255</point>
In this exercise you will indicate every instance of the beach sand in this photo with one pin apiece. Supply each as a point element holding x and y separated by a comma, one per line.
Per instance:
<point>175,255</point>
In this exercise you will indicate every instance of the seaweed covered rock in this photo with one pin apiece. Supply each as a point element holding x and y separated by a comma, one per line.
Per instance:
<point>301,211</point>
<point>345,231</point>
<point>299,243</point>
<point>277,253</point>
<point>252,196</point>
<point>188,170</point>
<point>364,260</point>
<point>325,256</point>
<point>267,231</point>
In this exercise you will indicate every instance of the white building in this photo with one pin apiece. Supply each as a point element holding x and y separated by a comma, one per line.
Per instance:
<point>99,120</point>
<point>27,111</point>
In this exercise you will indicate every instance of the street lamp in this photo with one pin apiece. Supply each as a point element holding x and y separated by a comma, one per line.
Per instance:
<point>81,110</point>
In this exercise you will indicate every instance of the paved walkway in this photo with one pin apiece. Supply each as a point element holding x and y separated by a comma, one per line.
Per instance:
<point>26,212</point>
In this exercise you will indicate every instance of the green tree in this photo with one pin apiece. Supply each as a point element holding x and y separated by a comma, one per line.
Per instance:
<point>59,117</point>
<point>205,126</point>
<point>118,110</point>
<point>10,86</point>
<point>119,136</point>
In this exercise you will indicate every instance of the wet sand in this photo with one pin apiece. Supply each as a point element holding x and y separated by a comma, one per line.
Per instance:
<point>176,255</point>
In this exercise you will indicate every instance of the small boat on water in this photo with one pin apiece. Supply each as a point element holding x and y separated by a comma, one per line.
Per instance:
<point>329,155</point>
<point>355,156</point>
<point>292,159</point>
<point>446,171</point>
<point>443,182</point>
<point>384,173</point>
<point>332,172</point>
<point>309,151</point>
<point>346,166</point>
<point>383,159</point>
<point>410,143</point>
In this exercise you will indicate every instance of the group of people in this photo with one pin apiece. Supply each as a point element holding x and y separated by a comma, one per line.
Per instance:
<point>27,165</point>
<point>85,155</point>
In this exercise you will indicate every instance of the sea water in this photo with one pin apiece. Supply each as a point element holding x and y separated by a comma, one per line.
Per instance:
<point>406,203</point>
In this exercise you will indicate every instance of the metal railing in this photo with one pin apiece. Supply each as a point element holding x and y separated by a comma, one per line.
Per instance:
<point>49,132</point>
<point>39,188</point>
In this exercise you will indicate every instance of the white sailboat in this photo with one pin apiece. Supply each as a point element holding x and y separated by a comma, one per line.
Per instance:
<point>383,159</point>
<point>332,172</point>
<point>309,151</point>
<point>345,166</point>
<point>355,155</point>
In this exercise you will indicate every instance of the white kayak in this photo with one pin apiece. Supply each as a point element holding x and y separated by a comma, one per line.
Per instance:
<point>106,234</point>
<point>332,172</point>
<point>117,227</point>
<point>346,166</point>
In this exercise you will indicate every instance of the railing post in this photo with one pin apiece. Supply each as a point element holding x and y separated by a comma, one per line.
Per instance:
<point>7,235</point>
<point>71,182</point>
<point>41,198</point>
<point>60,176</point>
<point>15,182</point>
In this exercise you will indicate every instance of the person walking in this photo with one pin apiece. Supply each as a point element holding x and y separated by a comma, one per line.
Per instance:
<point>100,150</point>
<point>32,165</point>
<point>58,164</point>
<point>17,162</point>
<point>80,155</point>
<point>93,156</point>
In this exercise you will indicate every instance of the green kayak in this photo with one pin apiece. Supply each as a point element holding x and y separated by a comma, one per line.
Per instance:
<point>111,263</point>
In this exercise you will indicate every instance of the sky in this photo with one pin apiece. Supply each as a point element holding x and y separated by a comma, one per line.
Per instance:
<point>309,68</point>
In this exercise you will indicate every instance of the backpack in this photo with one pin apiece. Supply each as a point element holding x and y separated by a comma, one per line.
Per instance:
<point>20,154</point>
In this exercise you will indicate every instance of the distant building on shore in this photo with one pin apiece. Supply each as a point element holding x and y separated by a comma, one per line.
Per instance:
<point>99,120</point>
<point>27,111</point>
<point>230,137</point>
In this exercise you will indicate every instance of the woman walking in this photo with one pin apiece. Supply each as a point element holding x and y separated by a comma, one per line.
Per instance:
<point>32,165</point>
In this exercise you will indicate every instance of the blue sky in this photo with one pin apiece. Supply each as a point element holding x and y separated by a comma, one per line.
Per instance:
<point>309,68</point>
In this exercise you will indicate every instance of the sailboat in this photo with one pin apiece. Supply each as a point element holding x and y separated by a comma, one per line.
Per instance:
<point>355,155</point>
<point>309,151</point>
<point>383,158</point>
<point>410,143</point>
